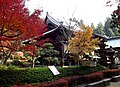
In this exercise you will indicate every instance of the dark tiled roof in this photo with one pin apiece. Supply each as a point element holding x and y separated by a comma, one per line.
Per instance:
<point>50,19</point>
<point>114,42</point>
<point>113,38</point>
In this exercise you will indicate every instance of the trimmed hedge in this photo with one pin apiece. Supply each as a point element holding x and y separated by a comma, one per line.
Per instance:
<point>111,72</point>
<point>23,76</point>
<point>75,80</point>
<point>93,77</point>
<point>57,83</point>
<point>13,75</point>
<point>69,81</point>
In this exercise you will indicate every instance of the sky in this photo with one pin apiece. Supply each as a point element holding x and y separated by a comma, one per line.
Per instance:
<point>90,11</point>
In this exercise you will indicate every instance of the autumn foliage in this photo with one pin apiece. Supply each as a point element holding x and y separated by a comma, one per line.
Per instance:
<point>17,25</point>
<point>116,17</point>
<point>82,42</point>
<point>116,13</point>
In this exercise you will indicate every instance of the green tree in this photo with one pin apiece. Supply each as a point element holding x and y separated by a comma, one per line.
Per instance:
<point>99,29</point>
<point>92,26</point>
<point>49,53</point>
<point>81,22</point>
<point>107,29</point>
<point>116,31</point>
<point>111,33</point>
<point>116,13</point>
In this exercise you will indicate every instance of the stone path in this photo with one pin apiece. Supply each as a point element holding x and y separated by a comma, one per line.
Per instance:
<point>114,84</point>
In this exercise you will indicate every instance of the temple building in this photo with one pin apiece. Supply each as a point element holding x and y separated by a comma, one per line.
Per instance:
<point>115,43</point>
<point>59,35</point>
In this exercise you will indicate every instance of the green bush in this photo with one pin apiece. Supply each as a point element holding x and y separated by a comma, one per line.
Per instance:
<point>17,63</point>
<point>69,81</point>
<point>76,80</point>
<point>3,67</point>
<point>18,76</point>
<point>13,75</point>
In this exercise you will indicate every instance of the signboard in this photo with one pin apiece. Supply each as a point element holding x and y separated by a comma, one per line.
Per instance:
<point>54,70</point>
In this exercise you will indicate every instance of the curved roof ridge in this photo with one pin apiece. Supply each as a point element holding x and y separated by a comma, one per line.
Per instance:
<point>53,20</point>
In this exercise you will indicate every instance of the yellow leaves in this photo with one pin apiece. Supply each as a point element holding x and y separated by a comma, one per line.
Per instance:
<point>82,41</point>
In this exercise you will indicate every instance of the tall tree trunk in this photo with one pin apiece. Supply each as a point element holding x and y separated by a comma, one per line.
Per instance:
<point>62,56</point>
<point>5,60</point>
<point>33,61</point>
<point>6,56</point>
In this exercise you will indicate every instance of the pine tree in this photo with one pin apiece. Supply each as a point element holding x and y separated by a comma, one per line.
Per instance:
<point>99,29</point>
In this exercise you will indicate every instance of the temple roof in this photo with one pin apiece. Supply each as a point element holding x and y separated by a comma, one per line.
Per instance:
<point>114,42</point>
<point>51,20</point>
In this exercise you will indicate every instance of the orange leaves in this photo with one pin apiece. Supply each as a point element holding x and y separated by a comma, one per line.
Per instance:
<point>82,42</point>
<point>17,25</point>
<point>16,22</point>
<point>3,38</point>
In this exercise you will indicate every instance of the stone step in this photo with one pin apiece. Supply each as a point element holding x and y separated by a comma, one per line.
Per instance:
<point>115,78</point>
<point>96,84</point>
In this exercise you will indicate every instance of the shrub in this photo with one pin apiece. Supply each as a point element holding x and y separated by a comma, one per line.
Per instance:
<point>21,76</point>
<point>3,67</point>
<point>74,80</point>
<point>93,77</point>
<point>27,85</point>
<point>17,63</point>
<point>57,83</point>
<point>111,72</point>
<point>69,81</point>
<point>13,75</point>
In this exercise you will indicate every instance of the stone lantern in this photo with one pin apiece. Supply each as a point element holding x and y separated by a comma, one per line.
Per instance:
<point>102,53</point>
<point>111,56</point>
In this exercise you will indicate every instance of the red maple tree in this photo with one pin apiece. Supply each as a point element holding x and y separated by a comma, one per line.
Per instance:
<point>116,13</point>
<point>17,25</point>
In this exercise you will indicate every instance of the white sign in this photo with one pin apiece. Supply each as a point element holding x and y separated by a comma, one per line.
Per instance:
<point>54,70</point>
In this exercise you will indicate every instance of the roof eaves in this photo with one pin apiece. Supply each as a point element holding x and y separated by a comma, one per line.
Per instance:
<point>50,31</point>
<point>53,20</point>
<point>113,38</point>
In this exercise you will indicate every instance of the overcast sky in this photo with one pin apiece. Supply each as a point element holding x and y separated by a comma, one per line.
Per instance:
<point>88,10</point>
